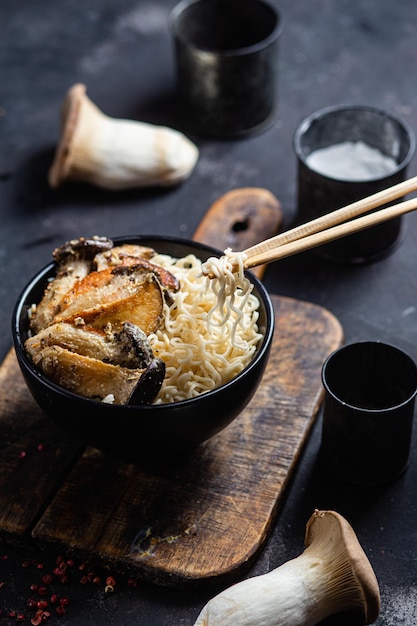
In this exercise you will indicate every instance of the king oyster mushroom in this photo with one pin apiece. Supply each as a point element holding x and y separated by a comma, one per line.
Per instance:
<point>74,261</point>
<point>133,256</point>
<point>98,364</point>
<point>94,379</point>
<point>128,348</point>
<point>119,254</point>
<point>113,296</point>
<point>117,153</point>
<point>331,576</point>
<point>90,330</point>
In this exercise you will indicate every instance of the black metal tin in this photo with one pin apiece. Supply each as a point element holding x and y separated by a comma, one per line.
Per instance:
<point>227,64</point>
<point>319,193</point>
<point>370,390</point>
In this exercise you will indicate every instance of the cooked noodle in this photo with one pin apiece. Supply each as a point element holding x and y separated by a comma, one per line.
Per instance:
<point>229,282</point>
<point>210,331</point>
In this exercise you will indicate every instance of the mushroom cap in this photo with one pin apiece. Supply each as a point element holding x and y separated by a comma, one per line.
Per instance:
<point>69,119</point>
<point>330,525</point>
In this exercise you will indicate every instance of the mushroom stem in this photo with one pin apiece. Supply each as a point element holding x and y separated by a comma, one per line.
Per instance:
<point>332,575</point>
<point>117,153</point>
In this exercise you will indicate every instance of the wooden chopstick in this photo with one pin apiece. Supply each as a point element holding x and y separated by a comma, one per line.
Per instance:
<point>330,234</point>
<point>332,219</point>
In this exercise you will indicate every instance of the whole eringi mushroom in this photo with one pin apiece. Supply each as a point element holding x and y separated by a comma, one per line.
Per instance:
<point>331,576</point>
<point>117,153</point>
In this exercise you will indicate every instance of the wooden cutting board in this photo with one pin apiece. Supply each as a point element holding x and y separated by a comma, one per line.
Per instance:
<point>187,523</point>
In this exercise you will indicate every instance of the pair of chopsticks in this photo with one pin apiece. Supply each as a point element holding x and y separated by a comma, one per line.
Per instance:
<point>334,225</point>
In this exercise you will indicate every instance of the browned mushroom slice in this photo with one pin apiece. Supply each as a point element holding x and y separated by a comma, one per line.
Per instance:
<point>134,345</point>
<point>130,256</point>
<point>143,309</point>
<point>129,347</point>
<point>74,261</point>
<point>167,280</point>
<point>84,247</point>
<point>114,296</point>
<point>149,384</point>
<point>118,254</point>
<point>94,379</point>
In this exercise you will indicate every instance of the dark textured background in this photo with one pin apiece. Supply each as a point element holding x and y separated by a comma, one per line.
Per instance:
<point>331,53</point>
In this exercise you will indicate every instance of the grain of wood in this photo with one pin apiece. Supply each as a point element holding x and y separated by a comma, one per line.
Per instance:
<point>186,524</point>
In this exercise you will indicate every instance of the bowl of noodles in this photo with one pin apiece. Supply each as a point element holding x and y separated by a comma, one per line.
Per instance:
<point>127,345</point>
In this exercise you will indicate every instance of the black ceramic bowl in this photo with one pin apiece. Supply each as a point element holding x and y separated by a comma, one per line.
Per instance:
<point>143,432</point>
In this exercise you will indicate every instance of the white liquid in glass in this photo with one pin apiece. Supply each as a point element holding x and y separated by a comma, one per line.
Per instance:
<point>351,161</point>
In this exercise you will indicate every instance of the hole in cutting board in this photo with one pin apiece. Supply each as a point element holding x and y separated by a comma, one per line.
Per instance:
<point>241,225</point>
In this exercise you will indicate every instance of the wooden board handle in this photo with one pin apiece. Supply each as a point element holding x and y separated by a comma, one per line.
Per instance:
<point>240,219</point>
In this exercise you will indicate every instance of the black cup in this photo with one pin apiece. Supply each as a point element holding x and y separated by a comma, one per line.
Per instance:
<point>227,64</point>
<point>321,192</point>
<point>370,389</point>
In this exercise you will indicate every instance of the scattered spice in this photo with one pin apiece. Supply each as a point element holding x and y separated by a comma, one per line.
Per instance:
<point>110,584</point>
<point>42,604</point>
<point>40,617</point>
<point>45,597</point>
<point>24,453</point>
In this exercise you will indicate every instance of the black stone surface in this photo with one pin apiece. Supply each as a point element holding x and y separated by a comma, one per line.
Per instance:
<point>330,53</point>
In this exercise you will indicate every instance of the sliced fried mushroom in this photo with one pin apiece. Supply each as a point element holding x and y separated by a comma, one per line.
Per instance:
<point>83,247</point>
<point>149,384</point>
<point>74,261</point>
<point>81,338</point>
<point>167,280</point>
<point>129,347</point>
<point>113,296</point>
<point>332,575</point>
<point>131,255</point>
<point>135,345</point>
<point>95,288</point>
<point>118,254</point>
<point>96,380</point>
